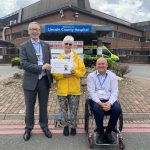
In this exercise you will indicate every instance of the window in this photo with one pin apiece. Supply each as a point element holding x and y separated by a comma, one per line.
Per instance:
<point>106,53</point>
<point>148,39</point>
<point>1,51</point>
<point>90,52</point>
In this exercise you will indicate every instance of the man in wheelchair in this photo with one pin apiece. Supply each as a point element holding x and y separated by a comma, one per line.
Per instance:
<point>102,87</point>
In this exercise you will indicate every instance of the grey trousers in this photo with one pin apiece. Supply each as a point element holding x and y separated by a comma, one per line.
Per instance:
<point>71,102</point>
<point>42,90</point>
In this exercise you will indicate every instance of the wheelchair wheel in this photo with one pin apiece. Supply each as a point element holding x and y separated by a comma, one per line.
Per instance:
<point>121,144</point>
<point>91,141</point>
<point>121,122</point>
<point>86,117</point>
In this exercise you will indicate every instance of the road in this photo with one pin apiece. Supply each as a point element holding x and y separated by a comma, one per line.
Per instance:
<point>6,70</point>
<point>142,70</point>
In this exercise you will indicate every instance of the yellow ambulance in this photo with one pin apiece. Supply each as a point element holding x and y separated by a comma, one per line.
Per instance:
<point>100,51</point>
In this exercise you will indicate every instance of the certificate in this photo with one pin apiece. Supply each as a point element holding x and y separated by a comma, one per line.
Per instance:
<point>62,66</point>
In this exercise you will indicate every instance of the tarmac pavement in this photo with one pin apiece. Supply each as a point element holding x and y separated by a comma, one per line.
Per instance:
<point>135,137</point>
<point>133,141</point>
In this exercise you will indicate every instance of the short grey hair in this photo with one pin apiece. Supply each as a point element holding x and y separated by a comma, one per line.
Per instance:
<point>68,38</point>
<point>33,23</point>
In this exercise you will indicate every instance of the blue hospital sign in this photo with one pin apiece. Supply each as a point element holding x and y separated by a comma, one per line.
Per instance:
<point>69,28</point>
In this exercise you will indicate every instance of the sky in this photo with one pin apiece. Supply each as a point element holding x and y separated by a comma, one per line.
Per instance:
<point>129,10</point>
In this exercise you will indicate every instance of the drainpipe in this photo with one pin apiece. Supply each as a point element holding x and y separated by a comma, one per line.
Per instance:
<point>3,32</point>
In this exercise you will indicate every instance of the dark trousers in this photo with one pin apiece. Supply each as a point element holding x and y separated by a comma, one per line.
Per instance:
<point>99,113</point>
<point>42,90</point>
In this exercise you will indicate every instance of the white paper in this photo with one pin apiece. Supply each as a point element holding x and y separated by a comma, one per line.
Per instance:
<point>62,66</point>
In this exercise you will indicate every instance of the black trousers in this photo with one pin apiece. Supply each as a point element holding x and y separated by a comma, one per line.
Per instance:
<point>99,113</point>
<point>42,90</point>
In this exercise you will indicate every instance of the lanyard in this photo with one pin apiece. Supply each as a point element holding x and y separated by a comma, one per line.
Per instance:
<point>37,49</point>
<point>101,83</point>
<point>39,52</point>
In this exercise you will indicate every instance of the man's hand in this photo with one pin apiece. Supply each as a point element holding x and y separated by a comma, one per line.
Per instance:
<point>72,72</point>
<point>105,106</point>
<point>69,75</point>
<point>46,67</point>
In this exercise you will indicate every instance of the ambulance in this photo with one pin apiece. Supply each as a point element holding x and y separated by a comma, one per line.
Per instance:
<point>100,51</point>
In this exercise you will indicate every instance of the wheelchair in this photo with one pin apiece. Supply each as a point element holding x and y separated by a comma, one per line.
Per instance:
<point>90,127</point>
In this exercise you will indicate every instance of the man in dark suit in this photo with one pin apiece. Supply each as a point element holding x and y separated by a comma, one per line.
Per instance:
<point>35,60</point>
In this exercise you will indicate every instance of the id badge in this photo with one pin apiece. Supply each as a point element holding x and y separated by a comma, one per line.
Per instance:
<point>100,94</point>
<point>40,63</point>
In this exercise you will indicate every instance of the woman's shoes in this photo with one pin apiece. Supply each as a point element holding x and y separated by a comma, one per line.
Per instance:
<point>66,131</point>
<point>73,131</point>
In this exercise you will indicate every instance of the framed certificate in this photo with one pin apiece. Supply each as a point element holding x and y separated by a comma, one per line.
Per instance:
<point>62,66</point>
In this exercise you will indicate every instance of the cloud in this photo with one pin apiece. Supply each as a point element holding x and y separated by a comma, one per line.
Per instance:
<point>129,10</point>
<point>10,6</point>
<point>132,11</point>
<point>7,7</point>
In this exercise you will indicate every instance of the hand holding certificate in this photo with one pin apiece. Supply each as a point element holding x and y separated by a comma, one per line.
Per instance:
<point>62,66</point>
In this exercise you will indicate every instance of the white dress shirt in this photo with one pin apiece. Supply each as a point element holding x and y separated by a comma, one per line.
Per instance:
<point>102,86</point>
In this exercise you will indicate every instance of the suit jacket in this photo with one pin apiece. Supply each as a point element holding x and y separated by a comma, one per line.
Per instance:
<point>28,61</point>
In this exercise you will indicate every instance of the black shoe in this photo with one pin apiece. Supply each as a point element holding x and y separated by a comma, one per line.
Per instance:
<point>110,139</point>
<point>47,133</point>
<point>73,131</point>
<point>27,135</point>
<point>100,139</point>
<point>66,131</point>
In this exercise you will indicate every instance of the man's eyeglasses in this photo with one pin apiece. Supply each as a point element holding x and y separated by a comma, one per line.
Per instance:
<point>70,44</point>
<point>33,29</point>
